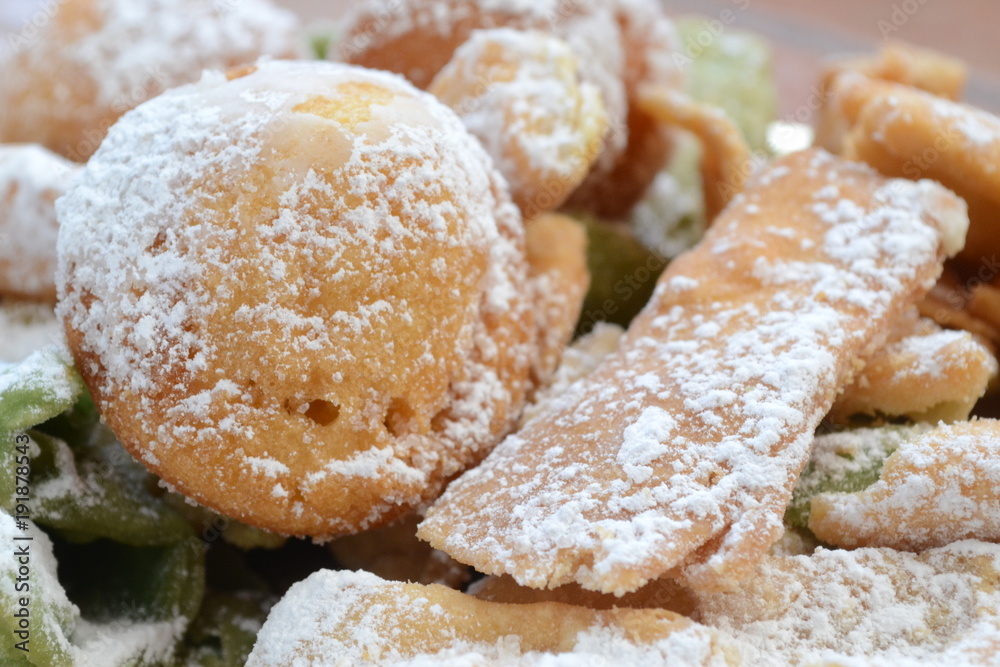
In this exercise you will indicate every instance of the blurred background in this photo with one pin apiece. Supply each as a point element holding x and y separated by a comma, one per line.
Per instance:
<point>805,31</point>
<point>802,32</point>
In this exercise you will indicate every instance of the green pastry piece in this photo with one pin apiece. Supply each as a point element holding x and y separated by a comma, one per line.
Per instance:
<point>733,70</point>
<point>47,620</point>
<point>623,275</point>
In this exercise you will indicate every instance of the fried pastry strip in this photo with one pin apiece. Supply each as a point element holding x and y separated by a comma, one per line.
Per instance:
<point>356,618</point>
<point>940,488</point>
<point>726,162</point>
<point>863,607</point>
<point>906,132</point>
<point>897,62</point>
<point>683,447</point>
<point>923,372</point>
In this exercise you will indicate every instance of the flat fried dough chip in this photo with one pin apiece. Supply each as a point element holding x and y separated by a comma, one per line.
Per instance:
<point>906,132</point>
<point>355,618</point>
<point>939,488</point>
<point>683,447</point>
<point>897,62</point>
<point>923,372</point>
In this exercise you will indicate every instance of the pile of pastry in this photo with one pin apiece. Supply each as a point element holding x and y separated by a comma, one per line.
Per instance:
<point>342,299</point>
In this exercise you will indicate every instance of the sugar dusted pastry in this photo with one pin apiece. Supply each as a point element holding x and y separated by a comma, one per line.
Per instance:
<point>864,607</point>
<point>923,372</point>
<point>355,618</point>
<point>902,131</point>
<point>519,92</point>
<point>31,179</point>
<point>897,62</point>
<point>96,59</point>
<point>681,450</point>
<point>301,296</point>
<point>933,490</point>
<point>621,45</point>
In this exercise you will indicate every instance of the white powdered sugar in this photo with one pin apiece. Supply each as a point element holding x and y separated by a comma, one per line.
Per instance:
<point>144,47</point>
<point>866,607</point>
<point>26,328</point>
<point>164,282</point>
<point>351,618</point>
<point>747,370</point>
<point>31,179</point>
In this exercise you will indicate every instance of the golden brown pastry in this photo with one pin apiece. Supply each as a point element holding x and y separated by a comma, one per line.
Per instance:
<point>31,179</point>
<point>922,372</point>
<point>833,608</point>
<point>355,618</point>
<point>681,450</point>
<point>896,62</point>
<point>621,45</point>
<point>939,488</point>
<point>96,59</point>
<point>302,296</point>
<point>518,92</point>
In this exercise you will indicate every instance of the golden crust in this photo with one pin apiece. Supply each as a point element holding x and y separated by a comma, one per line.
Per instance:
<point>621,479</point>
<point>354,336</point>
<point>935,490</point>
<point>897,62</point>
<point>726,162</point>
<point>922,372</point>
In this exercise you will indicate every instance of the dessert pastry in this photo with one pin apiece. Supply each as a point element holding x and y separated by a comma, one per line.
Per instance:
<point>682,448</point>
<point>896,62</point>
<point>96,59</point>
<point>923,373</point>
<point>518,92</point>
<point>939,488</point>
<point>864,607</point>
<point>621,45</point>
<point>361,619</point>
<point>31,179</point>
<point>302,296</point>
<point>902,131</point>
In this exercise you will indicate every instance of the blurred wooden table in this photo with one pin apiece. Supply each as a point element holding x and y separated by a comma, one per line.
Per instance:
<point>805,31</point>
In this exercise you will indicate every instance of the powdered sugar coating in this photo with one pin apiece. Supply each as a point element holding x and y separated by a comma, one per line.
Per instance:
<point>933,490</point>
<point>352,618</point>
<point>866,607</point>
<point>309,276</point>
<point>31,179</point>
<point>725,381</point>
<point>96,59</point>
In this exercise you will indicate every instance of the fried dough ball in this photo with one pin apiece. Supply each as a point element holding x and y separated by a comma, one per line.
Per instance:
<point>301,296</point>
<point>96,59</point>
<point>31,179</point>
<point>622,46</point>
<point>518,92</point>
